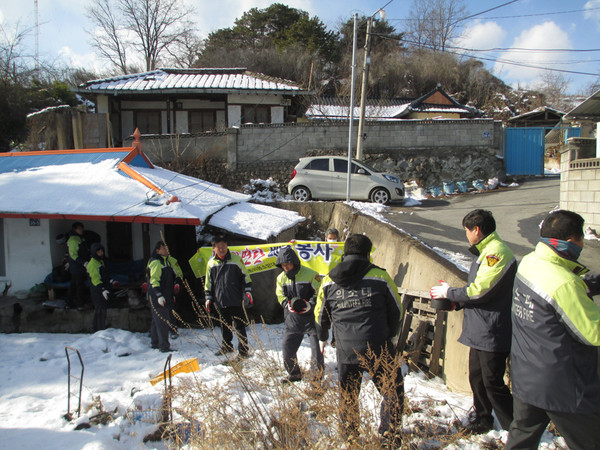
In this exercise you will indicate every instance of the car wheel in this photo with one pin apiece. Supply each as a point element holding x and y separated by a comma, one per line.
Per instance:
<point>301,193</point>
<point>380,195</point>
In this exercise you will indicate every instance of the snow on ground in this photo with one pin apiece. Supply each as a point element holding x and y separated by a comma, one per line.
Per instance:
<point>118,368</point>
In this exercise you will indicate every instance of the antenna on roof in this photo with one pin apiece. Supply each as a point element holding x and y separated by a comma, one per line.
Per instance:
<point>37,39</point>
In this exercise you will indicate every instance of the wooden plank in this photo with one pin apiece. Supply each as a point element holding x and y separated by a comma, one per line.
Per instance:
<point>438,343</point>
<point>404,332</point>
<point>418,338</point>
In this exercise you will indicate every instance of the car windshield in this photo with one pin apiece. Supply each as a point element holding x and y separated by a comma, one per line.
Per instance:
<point>366,166</point>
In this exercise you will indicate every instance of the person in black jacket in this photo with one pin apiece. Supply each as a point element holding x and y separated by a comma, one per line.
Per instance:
<point>361,301</point>
<point>229,286</point>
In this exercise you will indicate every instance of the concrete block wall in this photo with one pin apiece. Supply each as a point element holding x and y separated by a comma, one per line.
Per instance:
<point>291,141</point>
<point>427,151</point>
<point>580,180</point>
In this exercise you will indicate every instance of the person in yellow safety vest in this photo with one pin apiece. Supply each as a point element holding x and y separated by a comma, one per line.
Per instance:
<point>77,256</point>
<point>296,291</point>
<point>161,274</point>
<point>555,340</point>
<point>100,287</point>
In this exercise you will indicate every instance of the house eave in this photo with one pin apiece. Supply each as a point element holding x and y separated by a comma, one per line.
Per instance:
<point>128,219</point>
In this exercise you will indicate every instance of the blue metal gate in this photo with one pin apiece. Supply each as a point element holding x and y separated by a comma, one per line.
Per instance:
<point>524,148</point>
<point>524,151</point>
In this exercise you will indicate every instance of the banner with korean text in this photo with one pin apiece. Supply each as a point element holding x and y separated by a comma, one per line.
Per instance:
<point>319,256</point>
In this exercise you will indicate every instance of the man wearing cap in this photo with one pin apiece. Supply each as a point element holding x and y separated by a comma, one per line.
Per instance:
<point>296,291</point>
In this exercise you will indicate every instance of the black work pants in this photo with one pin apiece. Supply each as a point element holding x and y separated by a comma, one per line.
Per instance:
<point>580,430</point>
<point>390,385</point>
<point>486,376</point>
<point>100,308</point>
<point>159,329</point>
<point>291,343</point>
<point>232,318</point>
<point>76,293</point>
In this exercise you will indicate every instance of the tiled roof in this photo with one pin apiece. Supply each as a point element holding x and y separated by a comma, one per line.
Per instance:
<point>191,81</point>
<point>334,108</point>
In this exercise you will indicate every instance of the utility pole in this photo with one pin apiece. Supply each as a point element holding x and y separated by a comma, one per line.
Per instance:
<point>363,90</point>
<point>351,108</point>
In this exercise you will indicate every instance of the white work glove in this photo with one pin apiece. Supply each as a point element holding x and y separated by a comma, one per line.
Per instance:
<point>105,294</point>
<point>207,305</point>
<point>322,345</point>
<point>85,265</point>
<point>161,301</point>
<point>440,291</point>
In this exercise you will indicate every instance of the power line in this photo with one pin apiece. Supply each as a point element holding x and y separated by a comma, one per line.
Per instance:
<point>516,16</point>
<point>483,12</point>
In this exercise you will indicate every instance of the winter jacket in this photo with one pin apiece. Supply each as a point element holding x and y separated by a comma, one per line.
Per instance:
<point>227,280</point>
<point>161,275</point>
<point>362,303</point>
<point>78,254</point>
<point>99,279</point>
<point>556,329</point>
<point>299,282</point>
<point>487,296</point>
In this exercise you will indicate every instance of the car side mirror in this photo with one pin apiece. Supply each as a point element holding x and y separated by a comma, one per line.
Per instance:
<point>361,171</point>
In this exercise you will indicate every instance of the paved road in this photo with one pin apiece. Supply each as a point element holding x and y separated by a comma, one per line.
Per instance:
<point>518,213</point>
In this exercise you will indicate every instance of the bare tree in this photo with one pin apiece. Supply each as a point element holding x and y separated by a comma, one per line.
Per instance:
<point>15,65</point>
<point>434,23</point>
<point>554,86</point>
<point>147,27</point>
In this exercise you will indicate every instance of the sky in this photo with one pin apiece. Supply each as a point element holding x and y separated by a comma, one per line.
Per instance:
<point>565,30</point>
<point>119,365</point>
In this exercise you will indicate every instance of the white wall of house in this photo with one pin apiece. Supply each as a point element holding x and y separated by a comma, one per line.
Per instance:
<point>234,113</point>
<point>126,124</point>
<point>27,252</point>
<point>181,121</point>
<point>102,104</point>
<point>276,114</point>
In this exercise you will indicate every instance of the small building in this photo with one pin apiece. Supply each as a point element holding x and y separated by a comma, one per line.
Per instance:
<point>120,195</point>
<point>586,116</point>
<point>544,116</point>
<point>187,101</point>
<point>580,163</point>
<point>436,104</point>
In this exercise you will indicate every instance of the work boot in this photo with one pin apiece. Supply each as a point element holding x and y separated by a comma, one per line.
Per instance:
<point>224,349</point>
<point>291,379</point>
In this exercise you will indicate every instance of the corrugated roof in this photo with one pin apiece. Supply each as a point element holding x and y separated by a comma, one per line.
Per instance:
<point>589,108</point>
<point>334,108</point>
<point>15,162</point>
<point>191,81</point>
<point>123,186</point>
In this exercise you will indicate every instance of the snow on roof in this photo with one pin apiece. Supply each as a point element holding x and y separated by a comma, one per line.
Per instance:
<point>122,185</point>
<point>191,80</point>
<point>333,108</point>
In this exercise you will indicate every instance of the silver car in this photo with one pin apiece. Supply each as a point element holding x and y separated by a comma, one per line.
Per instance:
<point>325,178</point>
